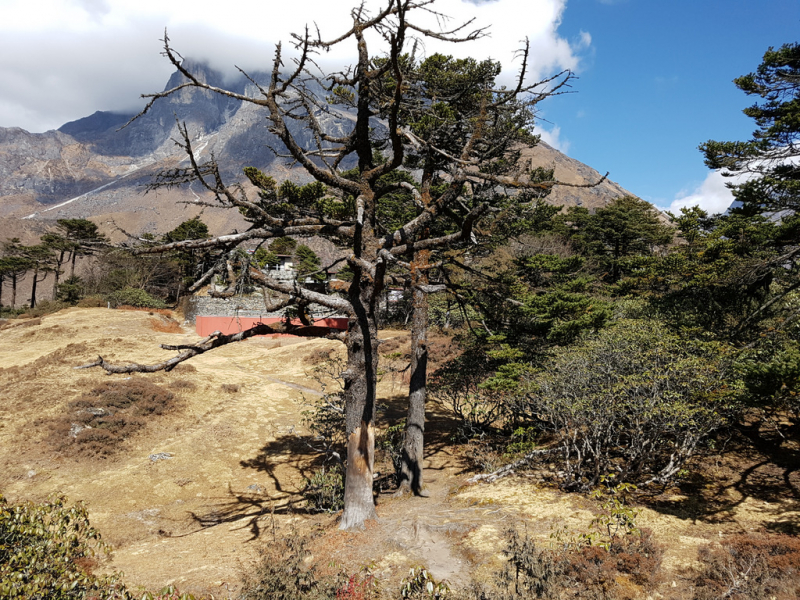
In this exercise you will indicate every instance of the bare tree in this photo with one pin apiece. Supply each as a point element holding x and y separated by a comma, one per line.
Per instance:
<point>387,103</point>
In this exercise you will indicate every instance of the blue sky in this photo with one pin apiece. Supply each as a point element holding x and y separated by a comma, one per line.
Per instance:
<point>655,76</point>
<point>657,81</point>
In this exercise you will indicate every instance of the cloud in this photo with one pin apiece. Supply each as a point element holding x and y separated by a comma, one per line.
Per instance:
<point>95,8</point>
<point>60,60</point>
<point>711,195</point>
<point>553,137</point>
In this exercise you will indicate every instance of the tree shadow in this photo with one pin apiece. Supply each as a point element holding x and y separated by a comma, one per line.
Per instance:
<point>754,468</point>
<point>439,430</point>
<point>253,506</point>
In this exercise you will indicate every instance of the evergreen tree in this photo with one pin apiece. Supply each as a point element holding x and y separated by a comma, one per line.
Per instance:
<point>14,265</point>
<point>308,263</point>
<point>85,239</point>
<point>626,227</point>
<point>769,159</point>
<point>42,262</point>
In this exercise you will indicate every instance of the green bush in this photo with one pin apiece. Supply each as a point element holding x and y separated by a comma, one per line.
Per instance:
<point>634,400</point>
<point>71,290</point>
<point>6,312</point>
<point>324,490</point>
<point>134,297</point>
<point>47,552</point>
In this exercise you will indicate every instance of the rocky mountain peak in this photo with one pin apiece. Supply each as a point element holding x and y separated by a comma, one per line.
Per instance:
<point>94,168</point>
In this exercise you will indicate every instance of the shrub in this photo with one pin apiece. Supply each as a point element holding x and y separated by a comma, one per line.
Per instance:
<point>389,447</point>
<point>165,325</point>
<point>134,297</point>
<point>6,312</point>
<point>749,566</point>
<point>284,573</point>
<point>47,551</point>
<point>167,593</point>
<point>635,400</point>
<point>459,387</point>
<point>94,301</point>
<point>183,384</point>
<point>111,413</point>
<point>324,490</point>
<point>324,415</point>
<point>530,572</point>
<point>71,290</point>
<point>360,586</point>
<point>46,307</point>
<point>421,584</point>
<point>577,567</point>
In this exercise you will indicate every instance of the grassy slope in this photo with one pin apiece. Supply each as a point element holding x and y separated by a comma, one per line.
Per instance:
<point>239,459</point>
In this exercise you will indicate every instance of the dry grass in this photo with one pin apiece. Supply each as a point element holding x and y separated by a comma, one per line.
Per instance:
<point>95,424</point>
<point>151,311</point>
<point>165,325</point>
<point>183,385</point>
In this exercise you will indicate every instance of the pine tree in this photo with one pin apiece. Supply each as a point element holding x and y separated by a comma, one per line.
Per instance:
<point>769,159</point>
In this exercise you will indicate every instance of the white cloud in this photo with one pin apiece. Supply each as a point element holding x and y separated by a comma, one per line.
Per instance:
<point>711,195</point>
<point>63,60</point>
<point>553,137</point>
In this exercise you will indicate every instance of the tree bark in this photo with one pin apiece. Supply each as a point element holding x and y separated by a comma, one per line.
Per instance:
<point>360,383</point>
<point>411,467</point>
<point>33,288</point>
<point>57,274</point>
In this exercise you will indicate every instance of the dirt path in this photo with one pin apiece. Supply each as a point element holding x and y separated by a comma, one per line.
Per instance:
<point>234,461</point>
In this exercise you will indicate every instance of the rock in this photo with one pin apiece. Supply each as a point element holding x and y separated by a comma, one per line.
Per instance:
<point>76,429</point>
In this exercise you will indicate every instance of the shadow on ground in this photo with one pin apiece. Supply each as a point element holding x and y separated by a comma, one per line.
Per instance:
<point>753,469</point>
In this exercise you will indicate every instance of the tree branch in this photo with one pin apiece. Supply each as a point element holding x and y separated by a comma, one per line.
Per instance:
<point>215,340</point>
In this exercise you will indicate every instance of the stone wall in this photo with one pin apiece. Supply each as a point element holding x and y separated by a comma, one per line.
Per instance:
<point>242,306</point>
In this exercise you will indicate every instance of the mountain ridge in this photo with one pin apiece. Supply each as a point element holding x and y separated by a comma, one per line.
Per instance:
<point>92,168</point>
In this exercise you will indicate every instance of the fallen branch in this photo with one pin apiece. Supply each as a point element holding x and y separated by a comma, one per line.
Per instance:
<point>510,468</point>
<point>215,340</point>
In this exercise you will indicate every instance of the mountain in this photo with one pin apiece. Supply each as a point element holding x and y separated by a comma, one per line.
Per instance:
<point>95,168</point>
